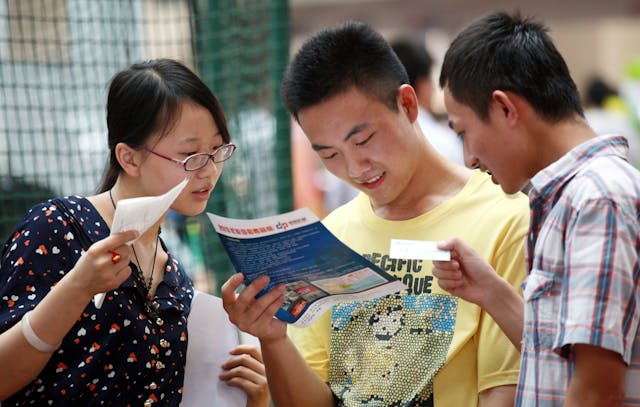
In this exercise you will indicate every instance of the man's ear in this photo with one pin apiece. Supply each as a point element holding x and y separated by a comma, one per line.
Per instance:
<point>408,101</point>
<point>129,158</point>
<point>506,105</point>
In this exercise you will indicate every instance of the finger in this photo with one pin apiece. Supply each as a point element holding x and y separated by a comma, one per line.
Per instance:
<point>122,274</point>
<point>448,244</point>
<point>242,372</point>
<point>118,257</point>
<point>246,361</point>
<point>228,290</point>
<point>114,241</point>
<point>271,297</point>
<point>462,250</point>
<point>242,308</point>
<point>266,321</point>
<point>446,264</point>
<point>442,274</point>
<point>124,251</point>
<point>121,238</point>
<point>247,298</point>
<point>453,245</point>
<point>450,282</point>
<point>251,350</point>
<point>450,285</point>
<point>264,309</point>
<point>115,256</point>
<point>252,389</point>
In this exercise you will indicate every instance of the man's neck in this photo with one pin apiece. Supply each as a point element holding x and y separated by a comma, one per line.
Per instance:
<point>435,181</point>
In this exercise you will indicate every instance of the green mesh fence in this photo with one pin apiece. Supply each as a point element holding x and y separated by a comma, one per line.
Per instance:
<point>56,57</point>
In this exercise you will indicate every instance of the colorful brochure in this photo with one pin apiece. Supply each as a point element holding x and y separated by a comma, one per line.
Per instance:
<point>296,249</point>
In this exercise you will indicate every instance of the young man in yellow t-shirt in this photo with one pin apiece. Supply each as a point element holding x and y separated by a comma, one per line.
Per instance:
<point>420,347</point>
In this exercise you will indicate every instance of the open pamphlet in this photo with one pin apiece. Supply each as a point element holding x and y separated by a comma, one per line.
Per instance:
<point>296,249</point>
<point>211,337</point>
<point>140,214</point>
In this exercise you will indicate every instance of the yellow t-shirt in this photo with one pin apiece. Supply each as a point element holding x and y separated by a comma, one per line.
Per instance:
<point>421,347</point>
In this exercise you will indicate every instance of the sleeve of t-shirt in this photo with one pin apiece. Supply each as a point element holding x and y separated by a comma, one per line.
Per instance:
<point>498,358</point>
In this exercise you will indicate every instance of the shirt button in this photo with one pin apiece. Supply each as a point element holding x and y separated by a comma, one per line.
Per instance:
<point>153,386</point>
<point>159,321</point>
<point>148,403</point>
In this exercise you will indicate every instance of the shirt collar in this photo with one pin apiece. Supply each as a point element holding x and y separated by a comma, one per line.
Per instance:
<point>550,179</point>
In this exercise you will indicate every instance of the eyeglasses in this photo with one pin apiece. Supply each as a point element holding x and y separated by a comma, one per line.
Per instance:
<point>196,161</point>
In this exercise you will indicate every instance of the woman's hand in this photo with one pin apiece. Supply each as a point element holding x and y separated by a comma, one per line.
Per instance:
<point>105,265</point>
<point>245,370</point>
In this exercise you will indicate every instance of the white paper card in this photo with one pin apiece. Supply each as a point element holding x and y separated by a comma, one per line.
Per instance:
<point>417,249</point>
<point>143,212</point>
<point>140,214</point>
<point>211,337</point>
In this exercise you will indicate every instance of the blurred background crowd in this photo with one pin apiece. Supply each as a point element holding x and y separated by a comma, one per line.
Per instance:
<point>57,56</point>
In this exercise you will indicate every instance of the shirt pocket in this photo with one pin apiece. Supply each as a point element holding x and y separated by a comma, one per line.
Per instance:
<point>541,310</point>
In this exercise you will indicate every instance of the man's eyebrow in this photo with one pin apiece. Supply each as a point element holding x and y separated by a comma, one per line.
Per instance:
<point>354,130</point>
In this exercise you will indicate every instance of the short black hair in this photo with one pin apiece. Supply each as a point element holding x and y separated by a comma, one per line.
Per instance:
<point>510,53</point>
<point>349,55</point>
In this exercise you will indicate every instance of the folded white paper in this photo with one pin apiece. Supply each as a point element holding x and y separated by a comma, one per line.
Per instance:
<point>417,249</point>
<point>143,212</point>
<point>140,214</point>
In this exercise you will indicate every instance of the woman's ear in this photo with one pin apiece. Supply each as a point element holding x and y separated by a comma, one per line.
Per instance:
<point>408,101</point>
<point>128,158</point>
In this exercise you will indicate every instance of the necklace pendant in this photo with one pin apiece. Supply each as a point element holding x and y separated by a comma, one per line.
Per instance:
<point>151,309</point>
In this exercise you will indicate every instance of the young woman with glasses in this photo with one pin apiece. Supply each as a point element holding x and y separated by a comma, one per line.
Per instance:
<point>56,346</point>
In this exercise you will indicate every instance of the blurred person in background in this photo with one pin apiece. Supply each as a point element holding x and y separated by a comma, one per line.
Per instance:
<point>608,113</point>
<point>510,96</point>
<point>418,63</point>
<point>57,346</point>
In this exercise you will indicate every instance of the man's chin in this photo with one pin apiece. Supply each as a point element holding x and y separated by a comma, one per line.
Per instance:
<point>512,189</point>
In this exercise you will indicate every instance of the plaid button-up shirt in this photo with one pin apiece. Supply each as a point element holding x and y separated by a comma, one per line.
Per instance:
<point>583,284</point>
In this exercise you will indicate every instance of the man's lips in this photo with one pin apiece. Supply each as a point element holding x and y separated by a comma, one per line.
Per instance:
<point>372,182</point>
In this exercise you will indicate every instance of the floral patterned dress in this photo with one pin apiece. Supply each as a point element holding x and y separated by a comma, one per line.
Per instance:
<point>115,355</point>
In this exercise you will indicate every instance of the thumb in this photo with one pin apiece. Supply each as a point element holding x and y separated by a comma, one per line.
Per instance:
<point>448,244</point>
<point>117,239</point>
<point>456,245</point>
<point>126,236</point>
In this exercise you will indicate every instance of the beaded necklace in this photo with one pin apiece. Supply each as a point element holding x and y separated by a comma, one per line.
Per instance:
<point>151,306</point>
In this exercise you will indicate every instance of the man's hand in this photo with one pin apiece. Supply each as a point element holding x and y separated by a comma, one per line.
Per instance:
<point>251,315</point>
